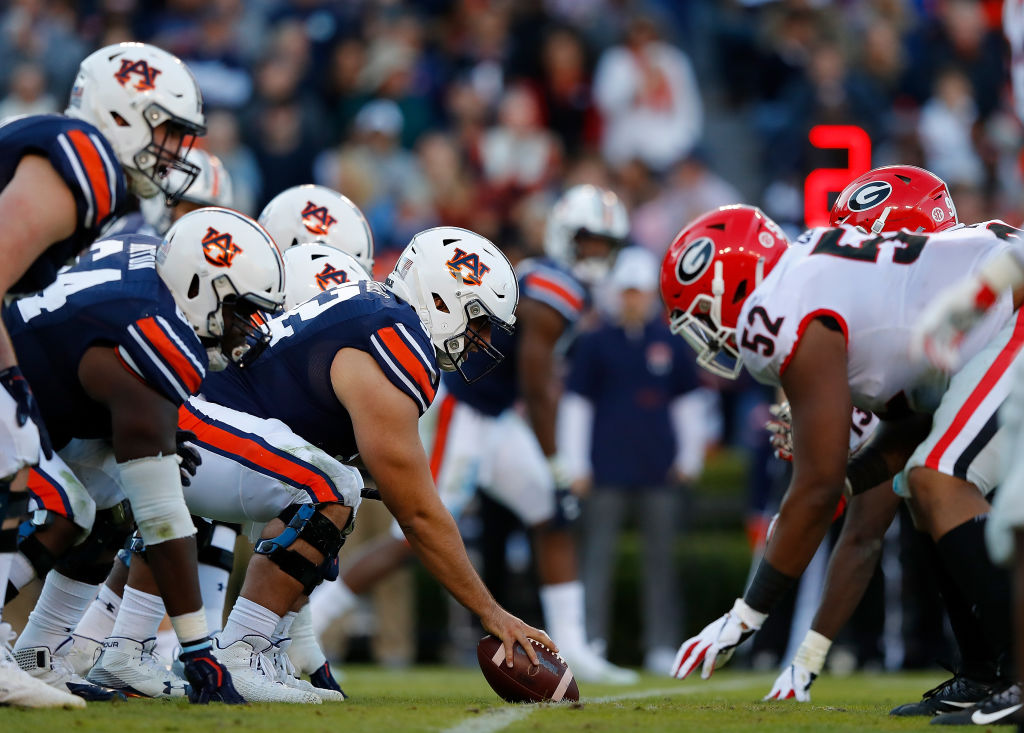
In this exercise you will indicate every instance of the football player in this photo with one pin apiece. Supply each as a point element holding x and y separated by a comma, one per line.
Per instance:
<point>481,441</point>
<point>114,347</point>
<point>133,113</point>
<point>886,199</point>
<point>814,336</point>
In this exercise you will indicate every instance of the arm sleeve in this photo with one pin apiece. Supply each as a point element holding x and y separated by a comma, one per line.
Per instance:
<point>575,433</point>
<point>688,414</point>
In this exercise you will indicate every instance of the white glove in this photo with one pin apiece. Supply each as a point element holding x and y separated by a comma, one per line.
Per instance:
<point>781,428</point>
<point>947,320</point>
<point>716,643</point>
<point>794,682</point>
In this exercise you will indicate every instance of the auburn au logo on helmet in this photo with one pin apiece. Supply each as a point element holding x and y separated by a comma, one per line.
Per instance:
<point>317,219</point>
<point>471,262</point>
<point>219,249</point>
<point>141,68</point>
<point>329,277</point>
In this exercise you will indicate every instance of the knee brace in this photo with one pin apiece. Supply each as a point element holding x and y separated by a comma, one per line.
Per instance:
<point>305,522</point>
<point>90,561</point>
<point>153,486</point>
<point>215,542</point>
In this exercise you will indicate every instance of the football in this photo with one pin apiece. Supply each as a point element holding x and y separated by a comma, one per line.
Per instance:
<point>550,681</point>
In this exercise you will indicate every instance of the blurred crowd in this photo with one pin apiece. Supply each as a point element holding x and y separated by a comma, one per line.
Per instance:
<point>479,113</point>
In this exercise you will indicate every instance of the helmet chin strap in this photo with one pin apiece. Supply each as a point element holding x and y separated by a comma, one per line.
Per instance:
<point>879,224</point>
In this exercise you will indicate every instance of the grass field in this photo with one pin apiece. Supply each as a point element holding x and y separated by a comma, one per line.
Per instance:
<point>459,701</point>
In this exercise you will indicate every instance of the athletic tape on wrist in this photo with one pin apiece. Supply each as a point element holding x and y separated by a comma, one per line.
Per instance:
<point>191,629</point>
<point>767,588</point>
<point>153,487</point>
<point>812,652</point>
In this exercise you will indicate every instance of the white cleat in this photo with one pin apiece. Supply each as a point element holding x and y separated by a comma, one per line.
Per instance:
<point>287,674</point>
<point>587,666</point>
<point>18,687</point>
<point>253,673</point>
<point>53,669</point>
<point>83,653</point>
<point>133,668</point>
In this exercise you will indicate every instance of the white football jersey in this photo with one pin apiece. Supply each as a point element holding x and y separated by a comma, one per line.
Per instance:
<point>875,287</point>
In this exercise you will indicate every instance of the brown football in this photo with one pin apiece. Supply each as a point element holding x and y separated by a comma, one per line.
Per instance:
<point>549,681</point>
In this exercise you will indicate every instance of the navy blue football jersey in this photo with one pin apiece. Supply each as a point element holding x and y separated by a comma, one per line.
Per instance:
<point>291,380</point>
<point>85,161</point>
<point>112,296</point>
<point>540,279</point>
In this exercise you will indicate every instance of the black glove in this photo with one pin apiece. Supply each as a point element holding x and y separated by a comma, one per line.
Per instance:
<point>28,409</point>
<point>190,458</point>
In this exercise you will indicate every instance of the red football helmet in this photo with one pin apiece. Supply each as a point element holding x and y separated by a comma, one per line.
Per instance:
<point>896,197</point>
<point>709,270</point>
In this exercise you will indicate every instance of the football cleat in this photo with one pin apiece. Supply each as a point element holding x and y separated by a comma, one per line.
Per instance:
<point>54,670</point>
<point>323,678</point>
<point>286,674</point>
<point>18,687</point>
<point>209,679</point>
<point>82,654</point>
<point>253,672</point>
<point>587,666</point>
<point>955,694</point>
<point>131,667</point>
<point>999,708</point>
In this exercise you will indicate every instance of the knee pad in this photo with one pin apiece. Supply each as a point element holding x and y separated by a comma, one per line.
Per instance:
<point>215,542</point>
<point>153,486</point>
<point>90,561</point>
<point>305,522</point>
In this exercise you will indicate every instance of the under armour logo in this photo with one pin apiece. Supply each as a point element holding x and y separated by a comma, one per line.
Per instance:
<point>475,269</point>
<point>218,248</point>
<point>142,68</point>
<point>317,219</point>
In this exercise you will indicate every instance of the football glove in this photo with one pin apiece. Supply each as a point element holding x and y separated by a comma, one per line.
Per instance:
<point>188,457</point>
<point>793,683</point>
<point>567,504</point>
<point>944,324</point>
<point>781,429</point>
<point>27,408</point>
<point>209,680</point>
<point>715,644</point>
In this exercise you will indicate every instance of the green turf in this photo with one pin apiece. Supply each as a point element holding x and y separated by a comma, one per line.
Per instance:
<point>438,699</point>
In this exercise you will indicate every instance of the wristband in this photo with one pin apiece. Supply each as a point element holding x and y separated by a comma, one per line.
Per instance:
<point>748,616</point>
<point>812,652</point>
<point>866,470</point>
<point>767,588</point>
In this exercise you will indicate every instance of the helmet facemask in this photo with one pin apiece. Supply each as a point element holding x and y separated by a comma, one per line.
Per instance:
<point>458,348</point>
<point>152,166</point>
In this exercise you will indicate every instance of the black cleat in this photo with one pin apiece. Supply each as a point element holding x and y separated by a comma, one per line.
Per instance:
<point>999,708</point>
<point>209,680</point>
<point>324,679</point>
<point>955,694</point>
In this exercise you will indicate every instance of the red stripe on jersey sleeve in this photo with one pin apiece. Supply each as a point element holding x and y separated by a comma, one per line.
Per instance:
<point>94,171</point>
<point>409,361</point>
<point>803,327</point>
<point>179,362</point>
<point>541,282</point>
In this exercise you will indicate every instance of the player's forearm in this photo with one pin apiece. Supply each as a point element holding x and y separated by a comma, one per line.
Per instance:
<point>804,518</point>
<point>855,557</point>
<point>7,356</point>
<point>542,412</point>
<point>434,537</point>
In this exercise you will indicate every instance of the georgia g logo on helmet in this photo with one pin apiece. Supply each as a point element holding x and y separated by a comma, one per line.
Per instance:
<point>471,262</point>
<point>140,67</point>
<point>695,260</point>
<point>317,219</point>
<point>219,249</point>
<point>870,195</point>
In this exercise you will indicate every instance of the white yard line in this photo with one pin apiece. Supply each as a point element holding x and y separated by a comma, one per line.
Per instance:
<point>500,718</point>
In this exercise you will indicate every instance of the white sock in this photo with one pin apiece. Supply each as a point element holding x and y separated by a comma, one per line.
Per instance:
<point>213,584</point>
<point>564,615</point>
<point>248,617</point>
<point>305,651</point>
<point>284,627</point>
<point>5,569</point>
<point>140,615</point>
<point>98,621</point>
<point>329,602</point>
<point>60,607</point>
<point>22,573</point>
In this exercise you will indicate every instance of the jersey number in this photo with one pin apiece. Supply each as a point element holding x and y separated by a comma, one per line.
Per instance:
<point>759,343</point>
<point>55,296</point>
<point>284,326</point>
<point>867,250</point>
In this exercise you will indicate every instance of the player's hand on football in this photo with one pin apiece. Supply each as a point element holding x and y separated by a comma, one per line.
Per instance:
<point>27,409</point>
<point>793,683</point>
<point>715,644</point>
<point>510,630</point>
<point>781,429</point>
<point>947,320</point>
